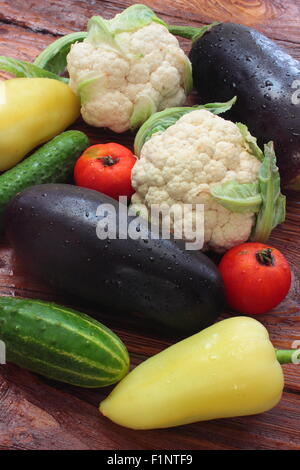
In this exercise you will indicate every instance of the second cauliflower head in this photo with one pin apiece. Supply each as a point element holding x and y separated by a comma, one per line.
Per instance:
<point>127,69</point>
<point>185,162</point>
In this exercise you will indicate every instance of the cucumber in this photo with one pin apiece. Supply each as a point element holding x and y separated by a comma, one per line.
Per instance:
<point>60,343</point>
<point>51,163</point>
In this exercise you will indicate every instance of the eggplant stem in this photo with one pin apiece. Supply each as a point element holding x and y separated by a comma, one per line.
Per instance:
<point>189,32</point>
<point>288,356</point>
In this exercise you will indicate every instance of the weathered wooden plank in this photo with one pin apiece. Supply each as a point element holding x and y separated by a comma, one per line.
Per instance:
<point>279,19</point>
<point>22,43</point>
<point>36,415</point>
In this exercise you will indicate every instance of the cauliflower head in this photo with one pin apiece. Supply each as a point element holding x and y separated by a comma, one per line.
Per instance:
<point>184,163</point>
<point>127,69</point>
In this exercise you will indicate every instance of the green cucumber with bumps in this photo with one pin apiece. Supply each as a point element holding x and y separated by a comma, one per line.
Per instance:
<point>52,163</point>
<point>61,343</point>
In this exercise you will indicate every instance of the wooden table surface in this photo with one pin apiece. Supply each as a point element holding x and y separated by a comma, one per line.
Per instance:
<point>40,414</point>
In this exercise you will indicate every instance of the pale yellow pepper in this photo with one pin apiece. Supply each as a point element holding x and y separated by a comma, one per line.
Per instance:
<point>32,111</point>
<point>229,369</point>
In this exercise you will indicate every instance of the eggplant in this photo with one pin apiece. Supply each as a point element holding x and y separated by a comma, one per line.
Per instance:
<point>52,229</point>
<point>231,59</point>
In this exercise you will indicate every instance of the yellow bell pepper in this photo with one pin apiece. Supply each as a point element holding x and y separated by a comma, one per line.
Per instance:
<point>229,369</point>
<point>32,111</point>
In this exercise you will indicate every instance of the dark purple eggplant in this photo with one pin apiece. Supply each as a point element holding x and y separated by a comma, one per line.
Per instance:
<point>52,229</point>
<point>231,59</point>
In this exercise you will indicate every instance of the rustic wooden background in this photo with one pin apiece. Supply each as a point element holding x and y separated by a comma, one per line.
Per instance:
<point>39,414</point>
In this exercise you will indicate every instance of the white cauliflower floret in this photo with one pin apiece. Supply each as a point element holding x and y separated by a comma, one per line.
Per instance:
<point>182,165</point>
<point>125,77</point>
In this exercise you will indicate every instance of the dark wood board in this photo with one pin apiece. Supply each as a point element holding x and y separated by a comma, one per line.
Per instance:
<point>36,413</point>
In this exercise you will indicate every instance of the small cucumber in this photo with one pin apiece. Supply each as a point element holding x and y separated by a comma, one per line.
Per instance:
<point>51,163</point>
<point>60,343</point>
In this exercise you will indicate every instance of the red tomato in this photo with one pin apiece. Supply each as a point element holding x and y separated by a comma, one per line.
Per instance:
<point>257,277</point>
<point>106,168</point>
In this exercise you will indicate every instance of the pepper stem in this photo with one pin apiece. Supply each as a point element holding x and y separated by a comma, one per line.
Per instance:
<point>190,32</point>
<point>288,356</point>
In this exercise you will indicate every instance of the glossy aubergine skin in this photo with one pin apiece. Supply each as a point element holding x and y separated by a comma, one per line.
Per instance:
<point>53,231</point>
<point>231,59</point>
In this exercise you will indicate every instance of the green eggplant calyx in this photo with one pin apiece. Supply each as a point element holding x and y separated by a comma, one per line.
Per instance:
<point>190,32</point>
<point>288,356</point>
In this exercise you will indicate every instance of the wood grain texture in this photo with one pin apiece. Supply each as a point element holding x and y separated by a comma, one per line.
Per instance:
<point>22,43</point>
<point>36,413</point>
<point>280,17</point>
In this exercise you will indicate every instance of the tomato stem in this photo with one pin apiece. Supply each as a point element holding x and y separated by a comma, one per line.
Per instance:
<point>288,356</point>
<point>109,160</point>
<point>265,257</point>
